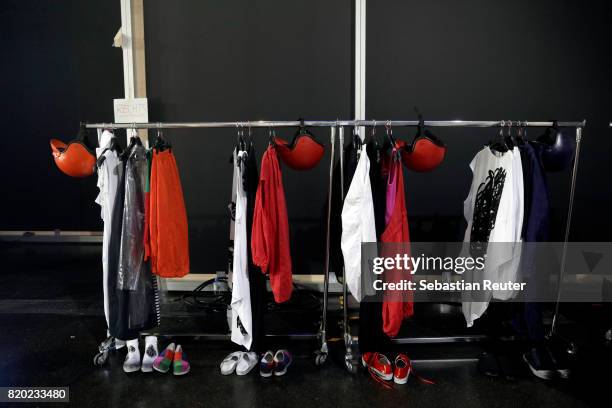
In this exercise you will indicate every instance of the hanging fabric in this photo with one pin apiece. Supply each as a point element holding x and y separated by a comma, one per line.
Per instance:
<point>132,266</point>
<point>536,226</point>
<point>396,305</point>
<point>257,280</point>
<point>108,178</point>
<point>168,231</point>
<point>351,157</point>
<point>494,213</point>
<point>270,236</point>
<point>134,309</point>
<point>372,338</point>
<point>358,225</point>
<point>241,323</point>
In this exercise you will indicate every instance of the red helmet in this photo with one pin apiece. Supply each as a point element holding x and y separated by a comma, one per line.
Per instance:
<point>74,159</point>
<point>424,154</point>
<point>303,153</point>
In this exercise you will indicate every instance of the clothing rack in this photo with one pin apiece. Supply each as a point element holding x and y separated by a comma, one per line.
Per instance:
<point>339,125</point>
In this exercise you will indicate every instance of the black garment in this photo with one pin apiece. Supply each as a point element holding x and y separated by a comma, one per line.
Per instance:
<point>527,165</point>
<point>371,334</point>
<point>528,318</point>
<point>257,280</point>
<point>130,311</point>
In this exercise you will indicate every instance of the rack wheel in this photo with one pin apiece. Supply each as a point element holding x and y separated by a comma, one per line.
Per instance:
<point>351,366</point>
<point>320,358</point>
<point>100,358</point>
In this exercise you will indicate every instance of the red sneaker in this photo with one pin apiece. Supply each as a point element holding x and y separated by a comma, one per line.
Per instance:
<point>402,369</point>
<point>377,364</point>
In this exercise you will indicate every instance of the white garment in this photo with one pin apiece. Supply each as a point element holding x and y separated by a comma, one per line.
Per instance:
<point>502,260</point>
<point>509,270</point>
<point>357,224</point>
<point>241,295</point>
<point>108,178</point>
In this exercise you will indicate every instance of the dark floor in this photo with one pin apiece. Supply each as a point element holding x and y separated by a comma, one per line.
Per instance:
<point>51,323</point>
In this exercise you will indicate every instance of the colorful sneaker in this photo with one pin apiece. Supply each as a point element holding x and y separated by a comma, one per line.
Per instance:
<point>402,369</point>
<point>164,360</point>
<point>378,364</point>
<point>180,365</point>
<point>282,360</point>
<point>266,364</point>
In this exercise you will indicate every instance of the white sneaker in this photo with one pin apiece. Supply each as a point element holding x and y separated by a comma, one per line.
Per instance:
<point>132,359</point>
<point>229,363</point>
<point>246,363</point>
<point>150,353</point>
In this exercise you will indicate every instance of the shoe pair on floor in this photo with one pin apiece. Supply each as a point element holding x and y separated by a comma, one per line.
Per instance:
<point>132,361</point>
<point>174,358</point>
<point>380,366</point>
<point>239,362</point>
<point>275,363</point>
<point>546,364</point>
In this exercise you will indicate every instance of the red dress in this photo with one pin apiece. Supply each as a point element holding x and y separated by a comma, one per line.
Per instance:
<point>397,305</point>
<point>270,234</point>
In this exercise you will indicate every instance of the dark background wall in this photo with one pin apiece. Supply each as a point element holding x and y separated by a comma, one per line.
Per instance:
<point>57,67</point>
<point>246,60</point>
<point>239,60</point>
<point>484,60</point>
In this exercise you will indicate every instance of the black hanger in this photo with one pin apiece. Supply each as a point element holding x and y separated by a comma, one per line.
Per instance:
<point>113,146</point>
<point>391,140</point>
<point>271,137</point>
<point>374,142</point>
<point>422,131</point>
<point>499,144</point>
<point>521,133</point>
<point>510,143</point>
<point>134,141</point>
<point>357,142</point>
<point>160,143</point>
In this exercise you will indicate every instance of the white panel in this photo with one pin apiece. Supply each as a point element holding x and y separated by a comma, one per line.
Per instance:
<point>360,64</point>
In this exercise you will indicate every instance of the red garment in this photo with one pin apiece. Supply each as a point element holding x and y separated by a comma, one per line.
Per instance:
<point>168,232</point>
<point>270,235</point>
<point>397,305</point>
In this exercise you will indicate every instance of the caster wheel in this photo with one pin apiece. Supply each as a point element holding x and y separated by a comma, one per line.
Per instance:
<point>320,358</point>
<point>351,367</point>
<point>100,359</point>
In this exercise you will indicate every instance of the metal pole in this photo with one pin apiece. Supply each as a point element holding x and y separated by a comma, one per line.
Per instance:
<point>567,229</point>
<point>323,123</point>
<point>322,354</point>
<point>348,338</point>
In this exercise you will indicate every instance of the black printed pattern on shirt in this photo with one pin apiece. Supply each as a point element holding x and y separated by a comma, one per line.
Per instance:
<point>486,205</point>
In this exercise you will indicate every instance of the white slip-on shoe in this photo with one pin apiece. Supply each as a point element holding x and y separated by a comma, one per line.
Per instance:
<point>229,363</point>
<point>246,363</point>
<point>150,353</point>
<point>132,358</point>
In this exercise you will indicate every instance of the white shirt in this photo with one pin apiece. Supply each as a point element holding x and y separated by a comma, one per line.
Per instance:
<point>108,178</point>
<point>241,295</point>
<point>357,224</point>
<point>493,170</point>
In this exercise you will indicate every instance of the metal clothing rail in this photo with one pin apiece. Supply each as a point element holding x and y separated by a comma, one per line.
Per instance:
<point>339,125</point>
<point>333,123</point>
